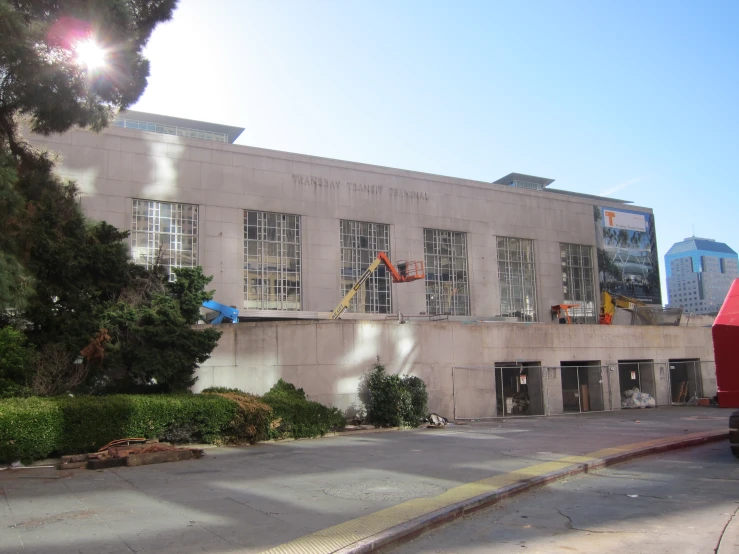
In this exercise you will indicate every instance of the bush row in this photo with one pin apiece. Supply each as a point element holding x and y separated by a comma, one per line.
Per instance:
<point>34,428</point>
<point>283,412</point>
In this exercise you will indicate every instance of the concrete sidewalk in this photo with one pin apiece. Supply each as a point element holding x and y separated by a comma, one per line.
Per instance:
<point>255,498</point>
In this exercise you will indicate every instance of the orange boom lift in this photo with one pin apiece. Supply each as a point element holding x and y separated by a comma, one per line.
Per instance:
<point>404,273</point>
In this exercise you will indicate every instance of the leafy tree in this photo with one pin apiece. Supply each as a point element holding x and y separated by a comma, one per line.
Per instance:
<point>41,75</point>
<point>70,282</point>
<point>152,341</point>
<point>15,359</point>
<point>44,84</point>
<point>15,280</point>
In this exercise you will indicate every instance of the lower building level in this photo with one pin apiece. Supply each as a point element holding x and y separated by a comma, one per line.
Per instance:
<point>471,371</point>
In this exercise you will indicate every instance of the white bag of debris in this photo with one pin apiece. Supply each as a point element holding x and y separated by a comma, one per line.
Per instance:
<point>634,398</point>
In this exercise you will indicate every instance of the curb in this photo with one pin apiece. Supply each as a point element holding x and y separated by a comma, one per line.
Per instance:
<point>413,528</point>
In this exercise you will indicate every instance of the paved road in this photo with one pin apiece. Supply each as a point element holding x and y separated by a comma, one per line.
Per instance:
<point>676,502</point>
<point>250,499</point>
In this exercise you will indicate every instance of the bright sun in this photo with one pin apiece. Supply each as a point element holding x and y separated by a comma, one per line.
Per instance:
<point>90,54</point>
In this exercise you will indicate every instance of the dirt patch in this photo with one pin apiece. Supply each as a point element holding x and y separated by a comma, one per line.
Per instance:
<point>41,522</point>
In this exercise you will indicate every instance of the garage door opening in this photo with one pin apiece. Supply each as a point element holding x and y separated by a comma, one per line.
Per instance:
<point>685,380</point>
<point>637,376</point>
<point>582,386</point>
<point>520,388</point>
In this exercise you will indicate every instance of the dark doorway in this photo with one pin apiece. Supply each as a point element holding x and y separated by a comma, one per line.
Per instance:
<point>520,388</point>
<point>582,386</point>
<point>684,380</point>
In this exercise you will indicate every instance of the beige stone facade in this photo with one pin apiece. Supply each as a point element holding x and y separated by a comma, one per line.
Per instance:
<point>456,358</point>
<point>328,358</point>
<point>120,165</point>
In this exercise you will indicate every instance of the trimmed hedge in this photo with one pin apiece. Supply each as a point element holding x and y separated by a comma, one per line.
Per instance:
<point>298,417</point>
<point>33,428</point>
<point>30,428</point>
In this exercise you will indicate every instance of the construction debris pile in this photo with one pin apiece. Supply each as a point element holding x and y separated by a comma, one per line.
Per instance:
<point>518,403</point>
<point>634,398</point>
<point>130,452</point>
<point>436,421</point>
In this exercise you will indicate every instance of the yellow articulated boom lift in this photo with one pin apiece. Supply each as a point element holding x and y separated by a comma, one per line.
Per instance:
<point>609,303</point>
<point>404,273</point>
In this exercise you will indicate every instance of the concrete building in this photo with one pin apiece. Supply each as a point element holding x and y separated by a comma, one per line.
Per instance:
<point>699,274</point>
<point>285,235</point>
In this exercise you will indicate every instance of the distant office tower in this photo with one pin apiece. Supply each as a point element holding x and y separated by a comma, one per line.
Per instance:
<point>699,274</point>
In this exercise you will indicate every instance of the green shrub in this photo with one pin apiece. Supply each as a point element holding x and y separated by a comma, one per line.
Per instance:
<point>223,390</point>
<point>419,397</point>
<point>90,422</point>
<point>30,428</point>
<point>33,428</point>
<point>298,417</point>
<point>15,362</point>
<point>394,401</point>
<point>253,418</point>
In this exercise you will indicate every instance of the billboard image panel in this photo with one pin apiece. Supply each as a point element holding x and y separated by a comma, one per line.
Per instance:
<point>627,253</point>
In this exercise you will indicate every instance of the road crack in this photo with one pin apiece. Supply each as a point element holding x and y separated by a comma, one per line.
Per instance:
<point>571,525</point>
<point>723,531</point>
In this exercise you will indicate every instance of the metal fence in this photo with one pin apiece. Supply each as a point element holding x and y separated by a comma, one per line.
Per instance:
<point>520,389</point>
<point>685,378</point>
<point>645,376</point>
<point>500,390</point>
<point>527,388</point>
<point>585,388</point>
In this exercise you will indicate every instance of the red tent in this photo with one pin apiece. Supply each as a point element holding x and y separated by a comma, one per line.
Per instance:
<point>726,349</point>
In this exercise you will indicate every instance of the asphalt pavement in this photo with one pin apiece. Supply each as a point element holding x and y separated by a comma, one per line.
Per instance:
<point>255,498</point>
<point>684,501</point>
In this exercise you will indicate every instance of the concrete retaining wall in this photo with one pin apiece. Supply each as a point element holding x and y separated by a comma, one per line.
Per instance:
<point>327,358</point>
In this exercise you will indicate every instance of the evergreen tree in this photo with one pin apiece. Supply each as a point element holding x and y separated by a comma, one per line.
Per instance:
<point>68,282</point>
<point>45,83</point>
<point>152,341</point>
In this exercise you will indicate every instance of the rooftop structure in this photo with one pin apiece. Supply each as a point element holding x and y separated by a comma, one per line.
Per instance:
<point>177,126</point>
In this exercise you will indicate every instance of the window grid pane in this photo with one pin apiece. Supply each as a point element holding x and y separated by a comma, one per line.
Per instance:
<point>517,278</point>
<point>271,261</point>
<point>447,289</point>
<point>163,233</point>
<point>360,244</point>
<point>577,281</point>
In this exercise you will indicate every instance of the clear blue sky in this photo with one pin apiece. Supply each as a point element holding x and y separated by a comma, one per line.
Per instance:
<point>636,100</point>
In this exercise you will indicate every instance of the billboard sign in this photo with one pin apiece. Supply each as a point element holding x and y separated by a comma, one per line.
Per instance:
<point>627,254</point>
<point>625,220</point>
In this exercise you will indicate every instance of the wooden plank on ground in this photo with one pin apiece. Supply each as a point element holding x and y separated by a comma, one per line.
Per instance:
<point>105,463</point>
<point>158,457</point>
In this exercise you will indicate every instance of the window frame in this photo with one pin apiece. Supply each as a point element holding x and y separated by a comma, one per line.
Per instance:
<point>456,252</point>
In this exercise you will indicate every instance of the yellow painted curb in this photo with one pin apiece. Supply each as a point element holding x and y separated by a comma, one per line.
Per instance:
<point>355,535</point>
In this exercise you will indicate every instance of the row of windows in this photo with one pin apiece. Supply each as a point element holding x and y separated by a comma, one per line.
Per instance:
<point>169,130</point>
<point>166,234</point>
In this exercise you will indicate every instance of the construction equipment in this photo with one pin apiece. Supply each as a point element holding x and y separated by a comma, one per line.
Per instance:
<point>228,313</point>
<point>404,273</point>
<point>562,312</point>
<point>609,303</point>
